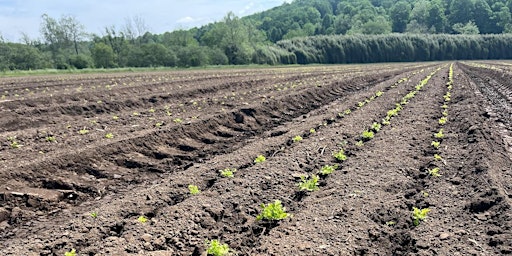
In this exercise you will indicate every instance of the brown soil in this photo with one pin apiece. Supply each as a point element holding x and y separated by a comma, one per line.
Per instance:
<point>172,129</point>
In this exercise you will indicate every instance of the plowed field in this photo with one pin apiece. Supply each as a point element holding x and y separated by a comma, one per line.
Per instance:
<point>101,164</point>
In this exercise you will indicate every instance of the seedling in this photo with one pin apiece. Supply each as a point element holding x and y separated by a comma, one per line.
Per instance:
<point>297,138</point>
<point>438,157</point>
<point>109,136</point>
<point>15,144</point>
<point>158,125</point>
<point>115,117</point>
<point>376,126</point>
<point>434,172</point>
<point>367,135</point>
<point>193,189</point>
<point>70,253</point>
<point>340,155</point>
<point>142,219</point>
<point>135,113</point>
<point>215,248</point>
<point>419,215</point>
<point>228,173</point>
<point>443,120</point>
<point>436,144</point>
<point>178,120</point>
<point>359,143</point>
<point>328,169</point>
<point>309,184</point>
<point>260,159</point>
<point>360,104</point>
<point>83,131</point>
<point>152,110</point>
<point>379,93</point>
<point>391,223</point>
<point>273,211</point>
<point>439,135</point>
<point>347,112</point>
<point>312,130</point>
<point>445,113</point>
<point>50,139</point>
<point>94,215</point>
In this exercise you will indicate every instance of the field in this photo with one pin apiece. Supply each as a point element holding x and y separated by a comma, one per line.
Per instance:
<point>102,163</point>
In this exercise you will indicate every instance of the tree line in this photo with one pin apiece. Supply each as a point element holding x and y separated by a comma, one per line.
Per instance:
<point>304,31</point>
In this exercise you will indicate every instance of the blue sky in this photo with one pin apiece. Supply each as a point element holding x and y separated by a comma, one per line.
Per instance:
<point>18,16</point>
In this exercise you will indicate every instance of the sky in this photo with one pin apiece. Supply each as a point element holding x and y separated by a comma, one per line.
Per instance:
<point>17,16</point>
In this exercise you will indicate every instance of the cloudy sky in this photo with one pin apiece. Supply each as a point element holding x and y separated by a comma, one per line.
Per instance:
<point>18,16</point>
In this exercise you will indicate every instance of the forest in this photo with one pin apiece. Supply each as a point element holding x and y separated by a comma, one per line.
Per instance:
<point>303,32</point>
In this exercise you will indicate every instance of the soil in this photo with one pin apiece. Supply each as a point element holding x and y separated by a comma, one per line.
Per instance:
<point>62,188</point>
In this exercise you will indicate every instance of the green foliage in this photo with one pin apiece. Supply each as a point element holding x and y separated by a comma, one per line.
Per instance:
<point>376,127</point>
<point>142,219</point>
<point>273,211</point>
<point>215,248</point>
<point>94,215</point>
<point>193,189</point>
<point>439,135</point>
<point>70,253</point>
<point>443,120</point>
<point>437,157</point>
<point>260,159</point>
<point>367,135</point>
<point>83,131</point>
<point>310,184</point>
<point>109,136</point>
<point>340,155</point>
<point>328,169</point>
<point>178,120</point>
<point>312,130</point>
<point>434,172</point>
<point>297,138</point>
<point>419,215</point>
<point>436,144</point>
<point>359,143</point>
<point>228,172</point>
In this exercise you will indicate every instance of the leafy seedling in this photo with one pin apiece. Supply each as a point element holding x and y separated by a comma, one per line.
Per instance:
<point>312,130</point>
<point>51,139</point>
<point>15,144</point>
<point>297,138</point>
<point>109,136</point>
<point>443,120</point>
<point>439,135</point>
<point>367,135</point>
<point>142,219</point>
<point>359,143</point>
<point>273,211</point>
<point>83,131</point>
<point>328,169</point>
<point>70,253</point>
<point>178,120</point>
<point>94,215</point>
<point>436,144</point>
<point>347,112</point>
<point>437,157</point>
<point>340,155</point>
<point>215,248</point>
<point>434,172</point>
<point>193,189</point>
<point>379,93</point>
<point>228,173</point>
<point>360,104</point>
<point>260,159</point>
<point>376,127</point>
<point>310,184</point>
<point>115,117</point>
<point>419,215</point>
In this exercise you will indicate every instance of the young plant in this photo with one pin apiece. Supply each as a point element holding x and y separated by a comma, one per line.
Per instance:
<point>193,189</point>
<point>142,219</point>
<point>438,157</point>
<point>228,173</point>
<point>340,155</point>
<point>115,117</point>
<point>297,138</point>
<point>359,143</point>
<point>419,215</point>
<point>436,144</point>
<point>443,120</point>
<point>83,131</point>
<point>109,136</point>
<point>94,215</point>
<point>347,112</point>
<point>15,144</point>
<point>376,127</point>
<point>439,135</point>
<point>215,248</point>
<point>178,120</point>
<point>434,172</point>
<point>260,159</point>
<point>70,253</point>
<point>379,93</point>
<point>273,211</point>
<point>309,184</point>
<point>50,139</point>
<point>367,135</point>
<point>328,169</point>
<point>312,130</point>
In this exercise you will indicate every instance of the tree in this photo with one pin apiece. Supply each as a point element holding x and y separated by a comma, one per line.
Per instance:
<point>436,19</point>
<point>469,28</point>
<point>103,55</point>
<point>399,14</point>
<point>461,11</point>
<point>482,16</point>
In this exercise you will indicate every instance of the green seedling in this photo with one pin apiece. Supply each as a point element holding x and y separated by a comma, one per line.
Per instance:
<point>310,184</point>
<point>436,144</point>
<point>115,117</point>
<point>376,126</point>
<point>367,135</point>
<point>419,215</point>
<point>360,104</point>
<point>228,173</point>
<point>50,139</point>
<point>94,215</point>
<point>297,138</point>
<point>379,93</point>
<point>445,113</point>
<point>391,223</point>
<point>70,253</point>
<point>178,120</point>
<point>193,189</point>
<point>273,211</point>
<point>438,157</point>
<point>83,131</point>
<point>135,113</point>
<point>347,112</point>
<point>260,159</point>
<point>215,248</point>
<point>443,120</point>
<point>312,130</point>
<point>444,106</point>
<point>152,110</point>
<point>158,125</point>
<point>328,169</point>
<point>434,172</point>
<point>340,155</point>
<point>15,144</point>
<point>439,135</point>
<point>109,136</point>
<point>142,219</point>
